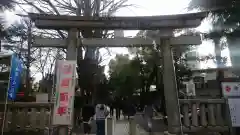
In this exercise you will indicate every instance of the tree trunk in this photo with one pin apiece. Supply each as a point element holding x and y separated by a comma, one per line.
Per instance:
<point>28,76</point>
<point>234,50</point>
<point>0,44</point>
<point>217,50</point>
<point>88,33</point>
<point>219,63</point>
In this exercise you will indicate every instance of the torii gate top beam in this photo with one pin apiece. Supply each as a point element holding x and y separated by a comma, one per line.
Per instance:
<point>47,21</point>
<point>115,42</point>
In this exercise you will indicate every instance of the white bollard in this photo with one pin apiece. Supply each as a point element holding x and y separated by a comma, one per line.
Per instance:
<point>114,124</point>
<point>132,126</point>
<point>109,126</point>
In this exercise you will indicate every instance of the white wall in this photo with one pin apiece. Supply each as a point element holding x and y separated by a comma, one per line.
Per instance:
<point>193,64</point>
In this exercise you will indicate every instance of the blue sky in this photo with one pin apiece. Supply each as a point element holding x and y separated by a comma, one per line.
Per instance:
<point>149,8</point>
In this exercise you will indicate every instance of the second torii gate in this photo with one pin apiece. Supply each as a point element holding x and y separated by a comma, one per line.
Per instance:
<point>165,23</point>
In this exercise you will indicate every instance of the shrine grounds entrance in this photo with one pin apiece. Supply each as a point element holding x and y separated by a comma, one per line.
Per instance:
<point>208,119</point>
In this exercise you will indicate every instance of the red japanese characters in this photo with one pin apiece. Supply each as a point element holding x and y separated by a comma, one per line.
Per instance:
<point>65,82</point>
<point>66,69</point>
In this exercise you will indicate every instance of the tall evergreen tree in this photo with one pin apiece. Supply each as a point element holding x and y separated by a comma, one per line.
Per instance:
<point>225,20</point>
<point>4,4</point>
<point>225,17</point>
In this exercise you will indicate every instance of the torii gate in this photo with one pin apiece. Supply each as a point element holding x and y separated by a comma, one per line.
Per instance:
<point>165,23</point>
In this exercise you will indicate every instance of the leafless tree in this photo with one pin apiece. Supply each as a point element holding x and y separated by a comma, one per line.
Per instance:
<point>87,56</point>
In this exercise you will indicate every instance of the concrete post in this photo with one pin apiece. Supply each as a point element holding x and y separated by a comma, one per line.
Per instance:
<point>109,126</point>
<point>71,55</point>
<point>170,87</point>
<point>132,126</point>
<point>62,130</point>
<point>72,45</point>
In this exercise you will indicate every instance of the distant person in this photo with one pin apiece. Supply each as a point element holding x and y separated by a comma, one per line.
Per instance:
<point>88,112</point>
<point>132,110</point>
<point>125,109</point>
<point>77,111</point>
<point>148,112</point>
<point>111,108</point>
<point>118,108</point>
<point>163,110</point>
<point>101,114</point>
<point>129,110</point>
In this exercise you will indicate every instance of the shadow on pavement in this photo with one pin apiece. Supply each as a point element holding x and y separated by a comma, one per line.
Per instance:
<point>157,124</point>
<point>24,132</point>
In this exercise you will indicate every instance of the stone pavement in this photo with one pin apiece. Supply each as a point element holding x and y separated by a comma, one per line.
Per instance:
<point>157,123</point>
<point>121,128</point>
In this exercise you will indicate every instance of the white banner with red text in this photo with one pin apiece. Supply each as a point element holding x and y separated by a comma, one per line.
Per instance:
<point>65,91</point>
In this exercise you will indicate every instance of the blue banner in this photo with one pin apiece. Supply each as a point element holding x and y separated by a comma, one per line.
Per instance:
<point>15,77</point>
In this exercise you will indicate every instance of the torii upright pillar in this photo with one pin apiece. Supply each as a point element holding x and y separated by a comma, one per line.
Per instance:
<point>71,55</point>
<point>72,45</point>
<point>170,87</point>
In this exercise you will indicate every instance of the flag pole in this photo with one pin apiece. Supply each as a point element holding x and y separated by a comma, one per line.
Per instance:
<point>6,98</point>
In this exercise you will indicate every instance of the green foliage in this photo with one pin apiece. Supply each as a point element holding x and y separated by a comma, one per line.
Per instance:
<point>143,70</point>
<point>213,4</point>
<point>124,75</point>
<point>225,17</point>
<point>91,74</point>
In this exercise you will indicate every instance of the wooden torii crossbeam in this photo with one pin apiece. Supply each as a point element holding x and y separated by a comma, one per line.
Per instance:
<point>46,21</point>
<point>115,42</point>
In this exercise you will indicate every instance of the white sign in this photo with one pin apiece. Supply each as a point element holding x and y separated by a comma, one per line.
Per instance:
<point>231,89</point>
<point>41,97</point>
<point>234,107</point>
<point>65,91</point>
<point>190,88</point>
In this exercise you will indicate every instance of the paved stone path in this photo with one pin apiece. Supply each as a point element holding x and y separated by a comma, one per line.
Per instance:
<point>122,126</point>
<point>157,124</point>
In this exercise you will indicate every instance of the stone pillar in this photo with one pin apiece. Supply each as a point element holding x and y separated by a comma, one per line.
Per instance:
<point>109,126</point>
<point>170,87</point>
<point>132,126</point>
<point>72,45</point>
<point>62,130</point>
<point>71,55</point>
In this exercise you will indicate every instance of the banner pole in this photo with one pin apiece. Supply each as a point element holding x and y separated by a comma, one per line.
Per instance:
<point>53,94</point>
<point>6,98</point>
<point>5,111</point>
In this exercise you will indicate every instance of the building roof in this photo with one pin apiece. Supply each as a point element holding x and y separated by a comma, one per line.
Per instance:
<point>211,70</point>
<point>5,54</point>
